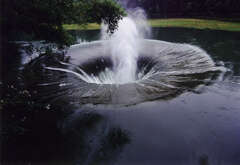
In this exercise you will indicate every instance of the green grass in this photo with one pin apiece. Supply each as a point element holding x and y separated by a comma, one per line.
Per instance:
<point>196,23</point>
<point>180,22</point>
<point>90,26</point>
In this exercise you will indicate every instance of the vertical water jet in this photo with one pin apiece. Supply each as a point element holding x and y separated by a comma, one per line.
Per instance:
<point>124,45</point>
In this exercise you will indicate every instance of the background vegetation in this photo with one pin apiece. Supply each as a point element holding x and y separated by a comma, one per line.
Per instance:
<point>43,19</point>
<point>188,8</point>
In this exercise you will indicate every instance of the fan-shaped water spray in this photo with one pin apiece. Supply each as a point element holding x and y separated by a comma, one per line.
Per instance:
<point>142,69</point>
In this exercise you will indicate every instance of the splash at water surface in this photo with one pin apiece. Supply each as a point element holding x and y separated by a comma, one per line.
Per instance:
<point>125,68</point>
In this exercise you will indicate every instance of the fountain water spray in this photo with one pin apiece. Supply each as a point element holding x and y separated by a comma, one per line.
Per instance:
<point>143,69</point>
<point>124,45</point>
<point>146,69</point>
<point>124,51</point>
<point>122,48</point>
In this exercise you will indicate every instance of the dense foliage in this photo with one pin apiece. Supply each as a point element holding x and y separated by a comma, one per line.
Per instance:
<point>188,8</point>
<point>43,19</point>
<point>96,11</point>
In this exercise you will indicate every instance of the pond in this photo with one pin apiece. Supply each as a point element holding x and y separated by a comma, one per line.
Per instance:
<point>197,124</point>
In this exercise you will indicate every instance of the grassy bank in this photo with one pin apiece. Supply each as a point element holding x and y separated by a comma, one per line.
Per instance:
<point>182,22</point>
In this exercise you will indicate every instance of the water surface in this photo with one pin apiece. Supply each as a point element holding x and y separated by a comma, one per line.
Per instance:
<point>199,125</point>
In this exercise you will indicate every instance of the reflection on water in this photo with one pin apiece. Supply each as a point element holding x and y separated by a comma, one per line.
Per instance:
<point>93,139</point>
<point>195,123</point>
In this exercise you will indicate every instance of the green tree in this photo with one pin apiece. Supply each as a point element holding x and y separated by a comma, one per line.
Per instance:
<point>43,19</point>
<point>97,11</point>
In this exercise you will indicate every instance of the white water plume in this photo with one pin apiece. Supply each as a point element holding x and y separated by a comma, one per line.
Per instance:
<point>139,17</point>
<point>123,49</point>
<point>124,44</point>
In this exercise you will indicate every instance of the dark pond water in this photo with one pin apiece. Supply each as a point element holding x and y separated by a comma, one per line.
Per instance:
<point>199,126</point>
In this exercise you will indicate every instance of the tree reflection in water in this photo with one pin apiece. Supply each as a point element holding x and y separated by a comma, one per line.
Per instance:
<point>93,139</point>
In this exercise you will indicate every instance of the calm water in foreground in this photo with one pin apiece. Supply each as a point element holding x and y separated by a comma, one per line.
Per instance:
<point>197,126</point>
